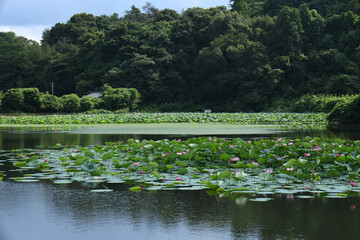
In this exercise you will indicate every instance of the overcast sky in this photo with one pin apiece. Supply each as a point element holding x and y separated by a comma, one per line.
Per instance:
<point>30,17</point>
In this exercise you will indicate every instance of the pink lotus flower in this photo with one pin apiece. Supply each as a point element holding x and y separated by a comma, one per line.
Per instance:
<point>353,184</point>
<point>269,171</point>
<point>178,179</point>
<point>143,172</point>
<point>234,159</point>
<point>353,207</point>
<point>137,164</point>
<point>45,160</point>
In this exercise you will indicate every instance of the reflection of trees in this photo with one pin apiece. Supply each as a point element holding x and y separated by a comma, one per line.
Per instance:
<point>279,219</point>
<point>12,138</point>
<point>20,138</point>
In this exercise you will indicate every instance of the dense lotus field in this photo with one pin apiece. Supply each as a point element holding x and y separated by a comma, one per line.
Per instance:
<point>229,118</point>
<point>306,167</point>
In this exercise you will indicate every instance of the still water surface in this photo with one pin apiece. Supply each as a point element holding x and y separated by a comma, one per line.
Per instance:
<point>45,211</point>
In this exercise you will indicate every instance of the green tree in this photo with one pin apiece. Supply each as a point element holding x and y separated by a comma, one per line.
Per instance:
<point>71,103</point>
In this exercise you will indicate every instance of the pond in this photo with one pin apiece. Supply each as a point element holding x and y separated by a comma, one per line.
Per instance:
<point>45,211</point>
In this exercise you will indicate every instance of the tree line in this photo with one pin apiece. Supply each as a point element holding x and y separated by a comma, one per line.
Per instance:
<point>253,56</point>
<point>31,100</point>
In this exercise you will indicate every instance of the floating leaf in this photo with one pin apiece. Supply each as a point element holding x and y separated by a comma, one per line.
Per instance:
<point>260,199</point>
<point>101,190</point>
<point>135,189</point>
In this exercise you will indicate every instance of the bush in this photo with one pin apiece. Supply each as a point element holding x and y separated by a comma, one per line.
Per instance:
<point>98,103</point>
<point>319,103</point>
<point>71,103</point>
<point>86,104</point>
<point>50,103</point>
<point>134,99</point>
<point>120,98</point>
<point>13,100</point>
<point>346,112</point>
<point>32,100</point>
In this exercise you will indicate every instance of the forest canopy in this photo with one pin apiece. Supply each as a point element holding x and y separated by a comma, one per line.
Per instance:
<point>250,56</point>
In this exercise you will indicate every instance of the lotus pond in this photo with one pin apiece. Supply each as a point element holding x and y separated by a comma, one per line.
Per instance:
<point>230,182</point>
<point>290,119</point>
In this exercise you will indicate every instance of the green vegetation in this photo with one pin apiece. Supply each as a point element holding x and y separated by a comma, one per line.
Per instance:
<point>320,103</point>
<point>30,100</point>
<point>115,118</point>
<point>248,58</point>
<point>269,165</point>
<point>346,112</point>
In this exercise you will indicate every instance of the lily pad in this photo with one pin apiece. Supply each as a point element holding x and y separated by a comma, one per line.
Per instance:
<point>101,190</point>
<point>260,199</point>
<point>305,197</point>
<point>62,181</point>
<point>27,180</point>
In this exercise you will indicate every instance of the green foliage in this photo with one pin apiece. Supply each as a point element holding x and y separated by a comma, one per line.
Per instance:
<point>50,103</point>
<point>21,100</point>
<point>32,99</point>
<point>346,112</point>
<point>282,165</point>
<point>13,100</point>
<point>319,103</point>
<point>71,103</point>
<point>119,98</point>
<point>100,116</point>
<point>248,58</point>
<point>86,104</point>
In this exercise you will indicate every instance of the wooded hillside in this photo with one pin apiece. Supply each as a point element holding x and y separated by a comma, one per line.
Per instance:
<point>251,56</point>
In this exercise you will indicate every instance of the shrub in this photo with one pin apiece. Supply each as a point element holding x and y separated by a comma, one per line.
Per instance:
<point>32,100</point>
<point>13,100</point>
<point>120,98</point>
<point>50,103</point>
<point>319,103</point>
<point>71,103</point>
<point>98,103</point>
<point>346,112</point>
<point>134,99</point>
<point>86,104</point>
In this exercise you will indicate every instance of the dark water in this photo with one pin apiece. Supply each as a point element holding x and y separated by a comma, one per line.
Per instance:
<point>44,211</point>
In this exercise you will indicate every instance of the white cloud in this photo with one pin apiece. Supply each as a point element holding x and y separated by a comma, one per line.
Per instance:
<point>30,32</point>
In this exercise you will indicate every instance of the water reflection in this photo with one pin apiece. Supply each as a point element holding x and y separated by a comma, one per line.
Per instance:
<point>41,211</point>
<point>32,137</point>
<point>45,211</point>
